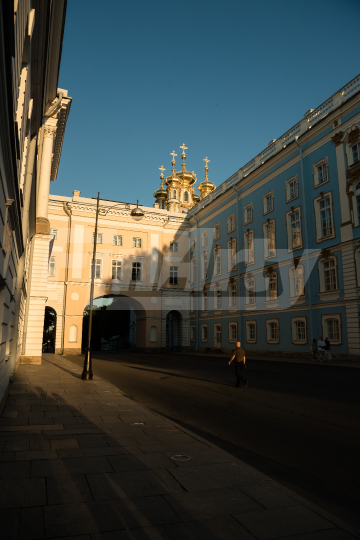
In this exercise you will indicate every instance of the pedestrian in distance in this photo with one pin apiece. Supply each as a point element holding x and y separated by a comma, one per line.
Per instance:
<point>327,350</point>
<point>321,347</point>
<point>240,359</point>
<point>314,350</point>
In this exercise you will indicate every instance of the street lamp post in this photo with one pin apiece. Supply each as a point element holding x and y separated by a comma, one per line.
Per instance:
<point>137,214</point>
<point>87,373</point>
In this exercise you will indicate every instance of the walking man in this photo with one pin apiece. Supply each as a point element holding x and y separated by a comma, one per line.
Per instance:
<point>239,356</point>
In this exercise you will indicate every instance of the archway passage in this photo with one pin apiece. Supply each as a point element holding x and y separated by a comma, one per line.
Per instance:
<point>173,325</point>
<point>49,332</point>
<point>113,324</point>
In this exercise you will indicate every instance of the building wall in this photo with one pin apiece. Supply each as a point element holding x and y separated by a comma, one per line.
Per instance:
<point>330,139</point>
<point>72,223</point>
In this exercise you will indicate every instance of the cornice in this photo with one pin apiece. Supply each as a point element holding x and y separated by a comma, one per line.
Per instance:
<point>62,117</point>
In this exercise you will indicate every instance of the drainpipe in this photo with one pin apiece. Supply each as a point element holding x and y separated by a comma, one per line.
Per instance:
<point>21,266</point>
<point>238,263</point>
<point>306,235</point>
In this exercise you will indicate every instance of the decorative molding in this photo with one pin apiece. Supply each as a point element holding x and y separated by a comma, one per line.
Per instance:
<point>337,138</point>
<point>50,131</point>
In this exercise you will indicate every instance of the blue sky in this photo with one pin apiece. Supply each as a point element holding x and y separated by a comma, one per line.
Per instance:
<point>222,77</point>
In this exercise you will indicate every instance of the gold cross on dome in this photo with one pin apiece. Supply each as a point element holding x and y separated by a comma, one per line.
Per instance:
<point>173,154</point>
<point>162,169</point>
<point>207,160</point>
<point>184,147</point>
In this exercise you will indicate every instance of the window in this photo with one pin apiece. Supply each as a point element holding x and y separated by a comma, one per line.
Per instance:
<point>324,219</point>
<point>192,332</point>
<point>293,226</point>
<point>218,299</point>
<point>186,196</point>
<point>232,295</point>
<point>204,301</point>
<point>153,334</point>
<point>99,238</point>
<point>174,194</point>
<point>356,205</point>
<point>248,214</point>
<point>174,270</point>
<point>331,328</point>
<point>355,149</point>
<point>204,238</point>
<point>193,270</point>
<point>272,330</point>
<point>217,261</point>
<point>73,332</point>
<point>231,254</point>
<point>269,239</point>
<point>249,247</point>
<point>271,286</point>
<point>136,271</point>
<point>117,240</point>
<point>299,330</point>
<point>330,280</point>
<point>204,265</point>
<point>231,223</point>
<point>250,331</point>
<point>52,266</point>
<point>250,291</point>
<point>268,202</point>
<point>297,281</point>
<point>54,233</point>
<point>174,246</point>
<point>116,270</point>
<point>321,172</point>
<point>217,231</point>
<point>193,245</point>
<point>233,332</point>
<point>193,302</point>
<point>291,189</point>
<point>137,242</point>
<point>98,268</point>
<point>204,332</point>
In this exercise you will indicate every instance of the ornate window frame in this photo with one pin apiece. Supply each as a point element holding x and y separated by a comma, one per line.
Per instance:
<point>233,323</point>
<point>287,188</point>
<point>269,339</point>
<point>246,208</point>
<point>319,237</point>
<point>247,331</point>
<point>294,338</point>
<point>324,327</point>
<point>288,215</point>
<point>315,167</point>
<point>265,210</point>
<point>323,294</point>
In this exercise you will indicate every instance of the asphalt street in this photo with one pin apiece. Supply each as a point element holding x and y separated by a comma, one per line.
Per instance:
<point>297,423</point>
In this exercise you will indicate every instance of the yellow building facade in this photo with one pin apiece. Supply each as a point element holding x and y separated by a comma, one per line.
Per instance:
<point>143,264</point>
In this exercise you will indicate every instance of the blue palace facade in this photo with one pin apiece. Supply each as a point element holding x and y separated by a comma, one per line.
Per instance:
<point>275,249</point>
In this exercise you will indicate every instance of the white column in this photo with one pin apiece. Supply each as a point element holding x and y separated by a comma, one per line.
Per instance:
<point>49,134</point>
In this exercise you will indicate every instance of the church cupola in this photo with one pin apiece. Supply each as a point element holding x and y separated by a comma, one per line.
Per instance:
<point>161,194</point>
<point>206,186</point>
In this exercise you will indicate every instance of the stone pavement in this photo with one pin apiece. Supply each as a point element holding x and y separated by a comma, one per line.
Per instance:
<point>81,460</point>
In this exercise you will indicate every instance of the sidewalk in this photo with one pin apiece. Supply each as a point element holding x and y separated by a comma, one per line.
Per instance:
<point>81,460</point>
<point>285,359</point>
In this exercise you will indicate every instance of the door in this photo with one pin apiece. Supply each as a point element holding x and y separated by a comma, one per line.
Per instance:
<point>217,336</point>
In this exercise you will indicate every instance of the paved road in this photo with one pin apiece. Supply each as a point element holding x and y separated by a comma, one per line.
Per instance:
<point>297,423</point>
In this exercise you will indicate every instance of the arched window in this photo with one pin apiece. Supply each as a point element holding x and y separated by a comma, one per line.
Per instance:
<point>174,194</point>
<point>218,298</point>
<point>232,295</point>
<point>153,334</point>
<point>73,332</point>
<point>205,300</point>
<point>186,196</point>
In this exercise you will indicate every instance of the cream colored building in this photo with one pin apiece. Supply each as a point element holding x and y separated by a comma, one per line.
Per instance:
<point>145,263</point>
